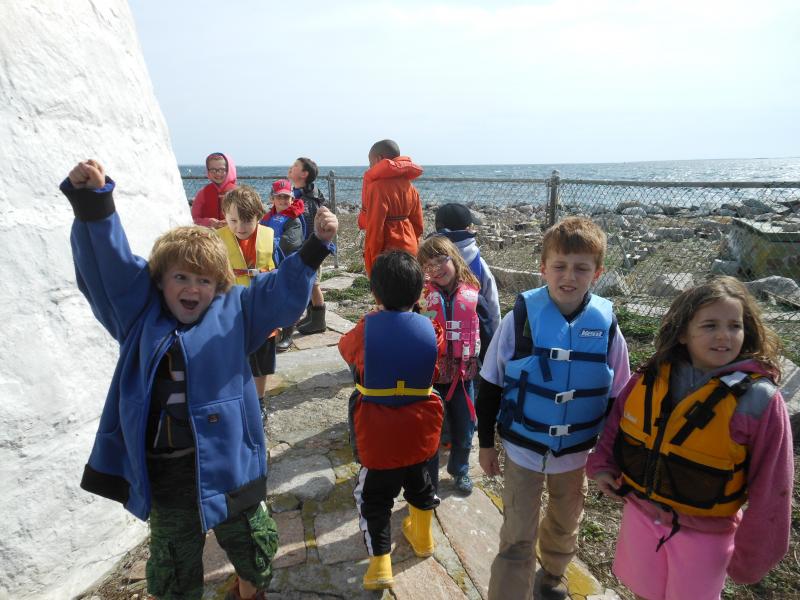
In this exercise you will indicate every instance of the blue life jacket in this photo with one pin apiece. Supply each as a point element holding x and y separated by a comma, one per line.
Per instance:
<point>398,369</point>
<point>555,398</point>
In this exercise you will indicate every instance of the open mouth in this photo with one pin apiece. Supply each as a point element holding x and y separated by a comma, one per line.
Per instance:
<point>189,304</point>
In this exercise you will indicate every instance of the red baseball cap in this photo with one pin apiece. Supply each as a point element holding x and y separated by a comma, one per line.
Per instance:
<point>282,186</point>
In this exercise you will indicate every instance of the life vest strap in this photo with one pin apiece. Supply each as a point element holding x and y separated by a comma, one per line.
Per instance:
<point>547,354</point>
<point>400,389</point>
<point>558,397</point>
<point>702,413</point>
<point>569,355</point>
<point>558,430</point>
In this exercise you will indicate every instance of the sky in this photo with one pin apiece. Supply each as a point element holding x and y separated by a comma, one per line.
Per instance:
<point>476,82</point>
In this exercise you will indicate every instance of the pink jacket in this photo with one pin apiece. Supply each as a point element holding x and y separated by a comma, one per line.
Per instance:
<point>761,423</point>
<point>207,203</point>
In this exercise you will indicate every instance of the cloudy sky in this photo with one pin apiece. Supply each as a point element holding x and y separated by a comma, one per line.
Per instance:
<point>476,82</point>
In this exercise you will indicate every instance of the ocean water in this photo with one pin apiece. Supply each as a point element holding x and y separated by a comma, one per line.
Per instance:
<point>747,169</point>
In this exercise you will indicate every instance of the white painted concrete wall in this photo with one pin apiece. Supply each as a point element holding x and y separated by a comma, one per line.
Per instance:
<point>73,85</point>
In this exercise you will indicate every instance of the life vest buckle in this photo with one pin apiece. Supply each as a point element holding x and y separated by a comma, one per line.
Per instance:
<point>452,335</point>
<point>559,354</point>
<point>559,430</point>
<point>452,324</point>
<point>252,272</point>
<point>562,397</point>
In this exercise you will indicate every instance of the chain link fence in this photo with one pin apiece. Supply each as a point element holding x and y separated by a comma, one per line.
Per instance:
<point>662,236</point>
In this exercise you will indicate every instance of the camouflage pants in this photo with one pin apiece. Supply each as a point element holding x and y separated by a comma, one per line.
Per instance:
<point>175,567</point>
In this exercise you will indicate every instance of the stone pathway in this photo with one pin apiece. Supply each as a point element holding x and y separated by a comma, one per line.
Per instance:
<point>311,480</point>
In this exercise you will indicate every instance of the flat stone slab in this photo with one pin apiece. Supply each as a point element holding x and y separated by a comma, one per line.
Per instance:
<point>472,525</point>
<point>340,282</point>
<point>316,340</point>
<point>339,538</point>
<point>307,477</point>
<point>423,579</point>
<point>323,582</point>
<point>312,418</point>
<point>338,324</point>
<point>295,367</point>
<point>292,545</point>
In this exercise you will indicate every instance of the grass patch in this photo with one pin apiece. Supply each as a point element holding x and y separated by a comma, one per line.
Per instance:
<point>358,291</point>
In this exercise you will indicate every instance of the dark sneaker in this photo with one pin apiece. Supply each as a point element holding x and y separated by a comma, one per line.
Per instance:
<point>463,484</point>
<point>549,587</point>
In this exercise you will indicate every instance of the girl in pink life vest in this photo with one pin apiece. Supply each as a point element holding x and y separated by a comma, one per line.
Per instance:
<point>450,297</point>
<point>699,446</point>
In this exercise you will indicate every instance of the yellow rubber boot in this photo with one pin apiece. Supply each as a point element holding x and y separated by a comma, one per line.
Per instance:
<point>379,573</point>
<point>417,529</point>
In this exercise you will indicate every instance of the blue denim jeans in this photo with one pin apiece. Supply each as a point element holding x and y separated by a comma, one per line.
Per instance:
<point>461,427</point>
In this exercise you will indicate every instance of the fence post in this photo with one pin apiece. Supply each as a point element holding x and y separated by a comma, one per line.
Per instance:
<point>553,193</point>
<point>332,200</point>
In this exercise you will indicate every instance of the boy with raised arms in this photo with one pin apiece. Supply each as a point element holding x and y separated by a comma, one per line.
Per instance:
<point>180,440</point>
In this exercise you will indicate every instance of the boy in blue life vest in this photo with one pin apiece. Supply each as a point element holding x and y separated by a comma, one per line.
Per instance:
<point>251,250</point>
<point>286,220</point>
<point>396,416</point>
<point>180,440</point>
<point>549,374</point>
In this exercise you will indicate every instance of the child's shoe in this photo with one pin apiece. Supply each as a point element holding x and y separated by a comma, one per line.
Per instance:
<point>417,530</point>
<point>549,587</point>
<point>316,324</point>
<point>463,485</point>
<point>379,573</point>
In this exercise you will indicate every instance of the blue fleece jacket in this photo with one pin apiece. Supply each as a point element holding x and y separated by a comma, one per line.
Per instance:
<point>230,457</point>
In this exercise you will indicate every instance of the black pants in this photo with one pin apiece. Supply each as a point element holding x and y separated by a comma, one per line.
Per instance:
<point>375,493</point>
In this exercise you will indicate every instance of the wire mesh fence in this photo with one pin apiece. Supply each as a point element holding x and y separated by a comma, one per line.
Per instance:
<point>662,236</point>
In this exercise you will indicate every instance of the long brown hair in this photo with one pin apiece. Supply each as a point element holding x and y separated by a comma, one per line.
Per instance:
<point>760,342</point>
<point>439,245</point>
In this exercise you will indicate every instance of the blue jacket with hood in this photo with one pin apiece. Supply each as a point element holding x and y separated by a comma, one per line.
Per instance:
<point>230,457</point>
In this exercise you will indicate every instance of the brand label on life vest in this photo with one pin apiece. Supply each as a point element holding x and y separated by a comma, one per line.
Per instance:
<point>591,333</point>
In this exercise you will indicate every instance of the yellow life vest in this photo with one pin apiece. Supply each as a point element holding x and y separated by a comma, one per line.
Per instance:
<point>682,455</point>
<point>264,249</point>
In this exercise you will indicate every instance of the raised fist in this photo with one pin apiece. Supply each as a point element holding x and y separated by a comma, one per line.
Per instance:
<point>87,174</point>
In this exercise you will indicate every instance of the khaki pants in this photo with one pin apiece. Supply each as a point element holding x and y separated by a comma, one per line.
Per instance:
<point>513,567</point>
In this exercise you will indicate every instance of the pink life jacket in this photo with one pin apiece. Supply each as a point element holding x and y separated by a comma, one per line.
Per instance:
<point>462,332</point>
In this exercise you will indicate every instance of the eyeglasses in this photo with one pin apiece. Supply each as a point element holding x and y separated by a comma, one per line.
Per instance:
<point>220,171</point>
<point>436,264</point>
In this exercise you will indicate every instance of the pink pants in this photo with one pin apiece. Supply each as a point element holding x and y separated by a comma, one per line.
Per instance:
<point>691,564</point>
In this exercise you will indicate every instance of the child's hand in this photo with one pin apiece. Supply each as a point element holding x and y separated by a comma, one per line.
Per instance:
<point>325,224</point>
<point>608,484</point>
<point>88,174</point>
<point>487,457</point>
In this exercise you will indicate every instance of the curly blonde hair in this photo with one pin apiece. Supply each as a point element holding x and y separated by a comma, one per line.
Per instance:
<point>439,245</point>
<point>194,248</point>
<point>760,342</point>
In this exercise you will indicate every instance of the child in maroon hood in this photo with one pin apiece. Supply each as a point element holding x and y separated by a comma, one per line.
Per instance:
<point>207,205</point>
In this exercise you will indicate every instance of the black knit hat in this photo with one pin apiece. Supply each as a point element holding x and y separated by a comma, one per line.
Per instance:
<point>454,216</point>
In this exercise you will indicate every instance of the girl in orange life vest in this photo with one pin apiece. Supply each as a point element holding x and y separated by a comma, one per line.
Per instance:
<point>697,432</point>
<point>451,298</point>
